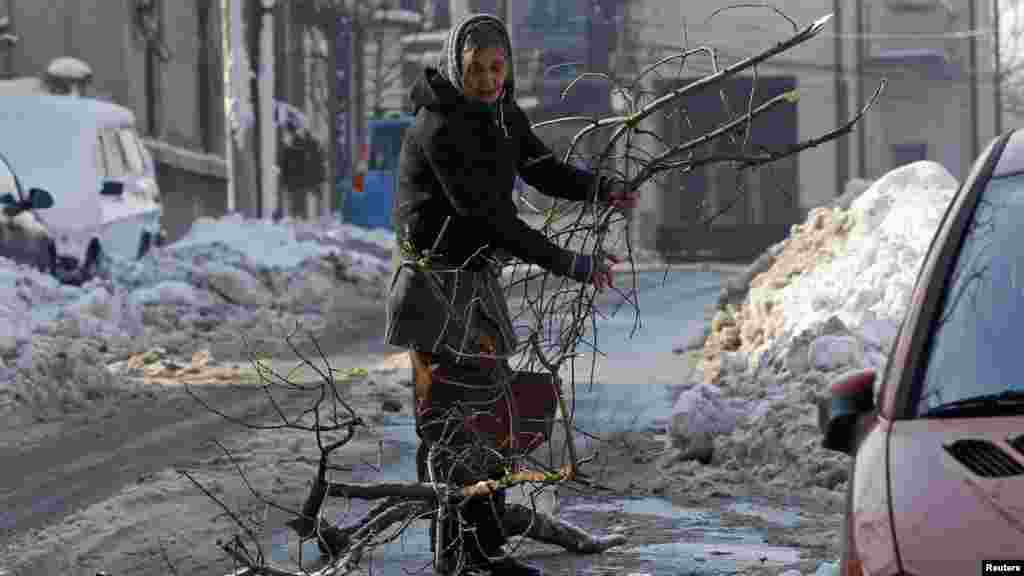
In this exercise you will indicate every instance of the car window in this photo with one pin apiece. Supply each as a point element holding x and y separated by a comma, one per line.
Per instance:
<point>8,184</point>
<point>101,159</point>
<point>147,157</point>
<point>975,340</point>
<point>117,163</point>
<point>130,146</point>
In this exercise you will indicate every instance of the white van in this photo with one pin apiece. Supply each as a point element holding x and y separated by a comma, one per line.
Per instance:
<point>87,154</point>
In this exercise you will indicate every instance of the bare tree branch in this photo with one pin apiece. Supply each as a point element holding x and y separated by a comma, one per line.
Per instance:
<point>561,317</point>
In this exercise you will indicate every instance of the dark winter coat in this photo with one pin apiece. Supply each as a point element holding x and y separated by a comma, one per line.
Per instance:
<point>454,198</point>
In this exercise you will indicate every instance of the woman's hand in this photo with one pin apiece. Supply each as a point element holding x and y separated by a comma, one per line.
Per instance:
<point>603,276</point>
<point>595,269</point>
<point>619,196</point>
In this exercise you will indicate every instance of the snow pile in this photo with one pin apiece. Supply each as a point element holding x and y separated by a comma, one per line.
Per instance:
<point>826,300</point>
<point>226,278</point>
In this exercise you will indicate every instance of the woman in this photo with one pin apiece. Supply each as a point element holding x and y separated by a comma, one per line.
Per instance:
<point>453,213</point>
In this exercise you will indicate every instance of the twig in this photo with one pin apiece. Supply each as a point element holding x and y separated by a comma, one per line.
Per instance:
<point>227,511</point>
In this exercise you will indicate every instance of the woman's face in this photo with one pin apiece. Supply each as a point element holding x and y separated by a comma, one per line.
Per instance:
<point>483,73</point>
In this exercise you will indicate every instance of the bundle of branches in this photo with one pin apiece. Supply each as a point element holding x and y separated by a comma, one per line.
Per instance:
<point>557,312</point>
<point>321,409</point>
<point>561,315</point>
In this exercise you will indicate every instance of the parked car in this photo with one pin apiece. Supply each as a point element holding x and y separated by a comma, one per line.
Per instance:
<point>87,155</point>
<point>937,470</point>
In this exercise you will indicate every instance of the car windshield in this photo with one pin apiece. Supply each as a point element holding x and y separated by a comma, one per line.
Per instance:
<point>980,322</point>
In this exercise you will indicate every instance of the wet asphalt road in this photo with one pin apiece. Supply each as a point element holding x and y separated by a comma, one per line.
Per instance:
<point>628,394</point>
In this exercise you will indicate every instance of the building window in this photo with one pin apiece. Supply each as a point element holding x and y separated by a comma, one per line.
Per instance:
<point>442,16</point>
<point>913,5</point>
<point>559,16</point>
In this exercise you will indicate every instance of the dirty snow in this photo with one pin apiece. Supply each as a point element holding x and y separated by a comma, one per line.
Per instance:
<point>226,277</point>
<point>826,300</point>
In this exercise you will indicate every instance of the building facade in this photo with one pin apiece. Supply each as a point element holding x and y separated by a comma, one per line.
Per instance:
<point>166,61</point>
<point>938,104</point>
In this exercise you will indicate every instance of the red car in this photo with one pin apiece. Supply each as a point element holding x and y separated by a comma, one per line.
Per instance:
<point>937,475</point>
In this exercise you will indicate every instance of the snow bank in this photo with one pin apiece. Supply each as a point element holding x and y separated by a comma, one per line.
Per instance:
<point>272,245</point>
<point>227,277</point>
<point>827,299</point>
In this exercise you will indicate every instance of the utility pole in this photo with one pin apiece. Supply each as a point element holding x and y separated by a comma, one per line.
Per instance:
<point>997,75</point>
<point>862,145</point>
<point>842,152</point>
<point>7,41</point>
<point>228,23</point>
<point>268,130</point>
<point>972,18</point>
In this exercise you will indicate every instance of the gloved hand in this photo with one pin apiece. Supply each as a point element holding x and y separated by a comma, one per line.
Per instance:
<point>615,192</point>
<point>597,271</point>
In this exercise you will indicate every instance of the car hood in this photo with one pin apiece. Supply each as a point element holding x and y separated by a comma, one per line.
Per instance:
<point>957,492</point>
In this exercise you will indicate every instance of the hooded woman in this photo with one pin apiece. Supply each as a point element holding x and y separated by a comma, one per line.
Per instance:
<point>454,213</point>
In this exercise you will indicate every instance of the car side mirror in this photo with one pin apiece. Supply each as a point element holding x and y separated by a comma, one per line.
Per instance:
<point>40,198</point>
<point>851,396</point>
<point>112,188</point>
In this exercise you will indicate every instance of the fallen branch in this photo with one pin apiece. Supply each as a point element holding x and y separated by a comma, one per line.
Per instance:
<point>558,333</point>
<point>519,521</point>
<point>429,492</point>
